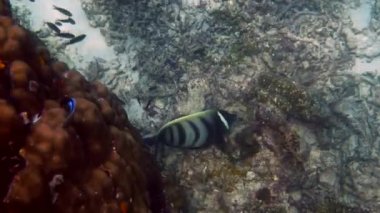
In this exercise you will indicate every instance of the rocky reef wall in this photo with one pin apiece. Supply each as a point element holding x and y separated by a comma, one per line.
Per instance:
<point>286,67</point>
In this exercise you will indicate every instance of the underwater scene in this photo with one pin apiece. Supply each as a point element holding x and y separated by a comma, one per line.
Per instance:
<point>187,106</point>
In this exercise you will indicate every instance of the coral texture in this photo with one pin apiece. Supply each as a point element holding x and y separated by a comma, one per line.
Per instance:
<point>55,161</point>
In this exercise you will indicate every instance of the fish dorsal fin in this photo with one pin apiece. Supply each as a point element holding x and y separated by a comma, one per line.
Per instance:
<point>188,117</point>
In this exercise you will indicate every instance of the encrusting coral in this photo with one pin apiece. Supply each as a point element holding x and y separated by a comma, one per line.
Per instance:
<point>55,161</point>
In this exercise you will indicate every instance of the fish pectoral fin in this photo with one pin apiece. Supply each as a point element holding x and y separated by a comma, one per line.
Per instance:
<point>222,143</point>
<point>149,140</point>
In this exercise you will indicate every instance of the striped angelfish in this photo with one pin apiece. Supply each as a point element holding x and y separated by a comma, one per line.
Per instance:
<point>194,131</point>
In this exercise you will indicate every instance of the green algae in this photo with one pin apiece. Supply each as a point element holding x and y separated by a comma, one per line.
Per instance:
<point>286,96</point>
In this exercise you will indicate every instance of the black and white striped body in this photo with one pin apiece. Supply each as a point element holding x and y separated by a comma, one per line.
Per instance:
<point>196,130</point>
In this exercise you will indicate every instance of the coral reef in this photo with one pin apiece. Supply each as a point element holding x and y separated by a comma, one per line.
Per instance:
<point>281,66</point>
<point>55,161</point>
<point>294,71</point>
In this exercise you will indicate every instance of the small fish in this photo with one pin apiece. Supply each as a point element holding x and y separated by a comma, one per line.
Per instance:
<point>65,35</point>
<point>69,104</point>
<point>53,27</point>
<point>194,131</point>
<point>58,23</point>
<point>63,11</point>
<point>76,39</point>
<point>68,20</point>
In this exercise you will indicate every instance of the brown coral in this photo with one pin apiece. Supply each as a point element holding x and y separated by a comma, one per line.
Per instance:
<point>92,162</point>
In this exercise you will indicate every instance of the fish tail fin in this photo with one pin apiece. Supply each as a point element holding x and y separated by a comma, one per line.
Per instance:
<point>149,140</point>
